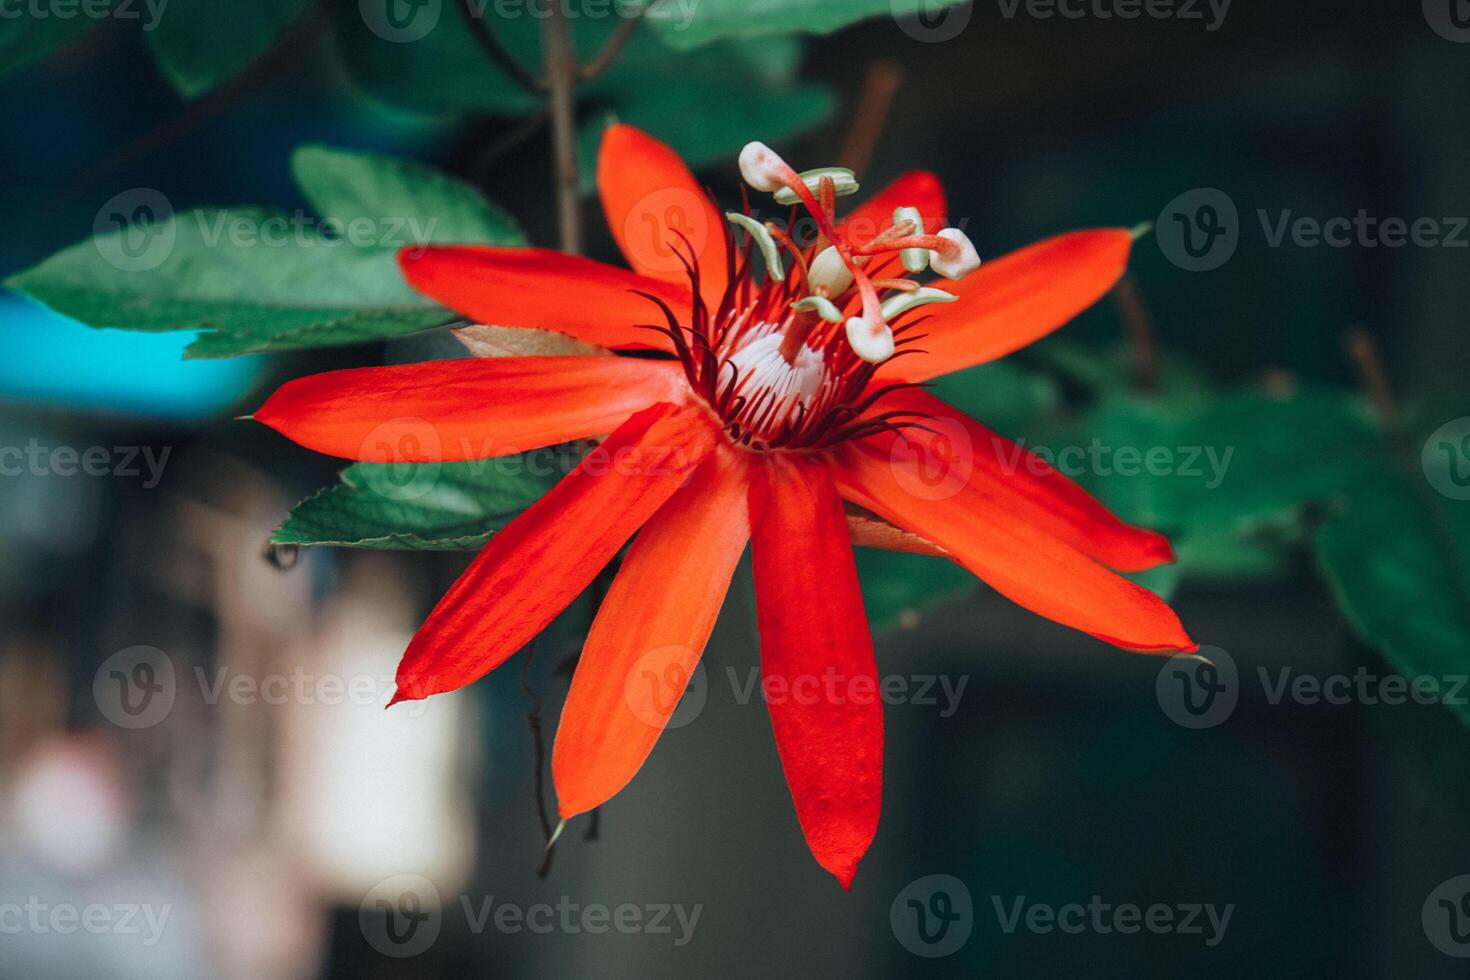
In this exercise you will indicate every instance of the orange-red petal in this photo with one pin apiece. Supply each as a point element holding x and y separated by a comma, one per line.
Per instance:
<point>472,408</point>
<point>537,287</point>
<point>817,666</point>
<point>649,634</point>
<point>1011,301</point>
<point>530,571</point>
<point>954,455</point>
<point>651,199</point>
<point>1025,564</point>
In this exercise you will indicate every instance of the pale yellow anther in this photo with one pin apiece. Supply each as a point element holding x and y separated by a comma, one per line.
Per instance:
<point>962,260</point>
<point>873,342</point>
<point>844,182</point>
<point>762,167</point>
<point>829,272</point>
<point>914,259</point>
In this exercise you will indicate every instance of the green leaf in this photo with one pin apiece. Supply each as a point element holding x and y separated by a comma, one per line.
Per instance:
<point>25,38</point>
<point>258,280</point>
<point>705,105</point>
<point>346,187</point>
<point>1233,464</point>
<point>710,104</point>
<point>200,43</point>
<point>220,274</point>
<point>436,66</point>
<point>1396,558</point>
<point>423,507</point>
<point>688,23</point>
<point>1229,479</point>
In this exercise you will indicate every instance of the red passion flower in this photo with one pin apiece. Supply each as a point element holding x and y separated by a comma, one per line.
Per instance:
<point>783,408</point>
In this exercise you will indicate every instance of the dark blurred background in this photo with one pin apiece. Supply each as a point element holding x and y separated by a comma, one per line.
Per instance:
<point>260,826</point>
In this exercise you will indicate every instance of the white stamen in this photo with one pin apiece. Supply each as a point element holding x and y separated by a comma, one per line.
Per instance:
<point>829,270</point>
<point>903,302</point>
<point>844,182</point>
<point>965,261</point>
<point>823,306</point>
<point>914,260</point>
<point>762,167</point>
<point>762,238</point>
<point>762,367</point>
<point>873,342</point>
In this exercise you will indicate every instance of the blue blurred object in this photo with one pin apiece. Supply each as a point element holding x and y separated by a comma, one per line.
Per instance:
<point>56,360</point>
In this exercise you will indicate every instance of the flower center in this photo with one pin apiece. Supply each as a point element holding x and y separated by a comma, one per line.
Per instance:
<point>770,395</point>
<point>786,359</point>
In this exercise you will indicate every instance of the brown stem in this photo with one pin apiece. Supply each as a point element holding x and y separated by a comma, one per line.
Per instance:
<point>293,46</point>
<point>560,59</point>
<point>870,113</point>
<point>611,48</point>
<point>1128,301</point>
<point>1364,352</point>
<point>497,51</point>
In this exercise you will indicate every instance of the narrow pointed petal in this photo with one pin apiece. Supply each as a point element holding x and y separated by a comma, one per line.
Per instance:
<point>530,571</point>
<point>536,287</point>
<point>650,199</point>
<point>1028,566</point>
<point>649,634</point>
<point>914,189</point>
<point>817,663</point>
<point>958,455</point>
<point>471,408</point>
<point>1011,301</point>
